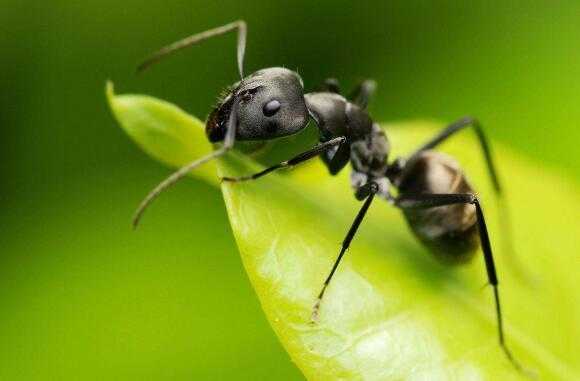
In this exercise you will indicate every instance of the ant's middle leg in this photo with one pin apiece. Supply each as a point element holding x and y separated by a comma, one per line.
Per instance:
<point>366,192</point>
<point>330,85</point>
<point>362,93</point>
<point>304,156</point>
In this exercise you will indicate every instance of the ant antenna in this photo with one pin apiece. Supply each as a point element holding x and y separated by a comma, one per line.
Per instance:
<point>183,171</point>
<point>230,137</point>
<point>240,25</point>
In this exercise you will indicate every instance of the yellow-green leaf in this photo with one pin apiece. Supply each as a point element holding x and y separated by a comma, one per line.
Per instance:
<point>392,312</point>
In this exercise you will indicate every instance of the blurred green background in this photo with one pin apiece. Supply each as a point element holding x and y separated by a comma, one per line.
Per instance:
<point>84,297</point>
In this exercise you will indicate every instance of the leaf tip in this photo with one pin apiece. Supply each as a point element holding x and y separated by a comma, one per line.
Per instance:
<point>109,89</point>
<point>110,94</point>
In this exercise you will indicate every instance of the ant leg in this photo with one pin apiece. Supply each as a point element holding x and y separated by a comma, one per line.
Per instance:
<point>336,159</point>
<point>304,156</point>
<point>240,25</point>
<point>363,93</point>
<point>505,220</point>
<point>368,190</point>
<point>424,201</point>
<point>456,127</point>
<point>330,85</point>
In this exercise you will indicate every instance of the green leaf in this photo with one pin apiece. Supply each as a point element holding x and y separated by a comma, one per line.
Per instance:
<point>162,129</point>
<point>392,311</point>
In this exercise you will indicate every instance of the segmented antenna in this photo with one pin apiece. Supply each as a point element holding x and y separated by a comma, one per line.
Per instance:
<point>240,25</point>
<point>229,141</point>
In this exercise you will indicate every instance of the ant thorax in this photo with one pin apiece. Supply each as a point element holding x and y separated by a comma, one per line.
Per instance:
<point>369,154</point>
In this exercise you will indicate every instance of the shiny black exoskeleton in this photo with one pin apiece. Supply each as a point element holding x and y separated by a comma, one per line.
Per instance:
<point>438,203</point>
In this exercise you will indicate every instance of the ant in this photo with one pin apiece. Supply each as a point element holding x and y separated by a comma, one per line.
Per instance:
<point>434,195</point>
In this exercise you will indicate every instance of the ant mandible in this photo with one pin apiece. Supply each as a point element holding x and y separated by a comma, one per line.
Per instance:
<point>438,203</point>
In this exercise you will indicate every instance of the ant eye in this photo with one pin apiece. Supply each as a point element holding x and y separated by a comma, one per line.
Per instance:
<point>271,107</point>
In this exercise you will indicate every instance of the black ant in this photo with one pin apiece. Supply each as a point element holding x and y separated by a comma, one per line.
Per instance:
<point>437,201</point>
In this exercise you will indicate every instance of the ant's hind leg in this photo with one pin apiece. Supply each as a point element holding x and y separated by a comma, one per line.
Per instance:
<point>304,156</point>
<point>425,201</point>
<point>505,220</point>
<point>455,127</point>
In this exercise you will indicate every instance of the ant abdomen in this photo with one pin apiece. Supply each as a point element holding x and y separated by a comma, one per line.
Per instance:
<point>450,231</point>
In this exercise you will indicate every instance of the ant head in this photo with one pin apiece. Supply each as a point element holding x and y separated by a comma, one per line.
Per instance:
<point>270,105</point>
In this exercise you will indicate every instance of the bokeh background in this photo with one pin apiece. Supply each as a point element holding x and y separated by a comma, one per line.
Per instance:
<point>84,297</point>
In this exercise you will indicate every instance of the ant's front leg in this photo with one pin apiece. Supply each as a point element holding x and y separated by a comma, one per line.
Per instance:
<point>304,156</point>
